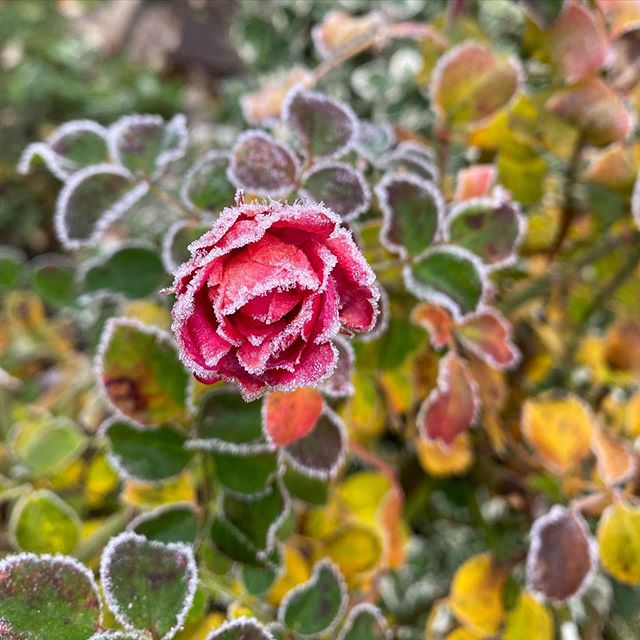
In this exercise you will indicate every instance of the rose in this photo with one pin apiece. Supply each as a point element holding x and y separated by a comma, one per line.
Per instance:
<point>264,293</point>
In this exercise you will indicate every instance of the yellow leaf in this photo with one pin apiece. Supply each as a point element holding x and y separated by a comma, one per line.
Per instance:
<point>203,629</point>
<point>364,413</point>
<point>559,429</point>
<point>362,494</point>
<point>476,595</point>
<point>148,312</point>
<point>462,634</point>
<point>100,482</point>
<point>528,620</point>
<point>632,416</point>
<point>442,461</point>
<point>149,495</point>
<point>396,383</point>
<point>619,542</point>
<point>296,570</point>
<point>354,548</point>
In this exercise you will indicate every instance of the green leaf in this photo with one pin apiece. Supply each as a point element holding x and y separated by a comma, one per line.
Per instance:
<point>206,186</point>
<point>47,598</point>
<point>321,453</point>
<point>145,144</point>
<point>241,629</point>
<point>365,622</point>
<point>492,228</point>
<point>141,374</point>
<point>310,490</point>
<point>258,580</point>
<point>262,165</point>
<point>146,454</point>
<point>257,518</point>
<point>53,279</point>
<point>80,143</point>
<point>46,444</point>
<point>449,276</point>
<point>11,262</point>
<point>413,210</point>
<point>43,523</point>
<point>171,523</point>
<point>91,200</point>
<point>317,605</point>
<point>135,272</point>
<point>148,585</point>
<point>339,187</point>
<point>176,241</point>
<point>325,128</point>
<point>248,473</point>
<point>227,423</point>
<point>233,543</point>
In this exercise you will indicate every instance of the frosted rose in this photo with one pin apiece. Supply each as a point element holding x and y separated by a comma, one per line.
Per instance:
<point>266,290</point>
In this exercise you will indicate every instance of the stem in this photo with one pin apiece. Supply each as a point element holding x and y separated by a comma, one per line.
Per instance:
<point>568,269</point>
<point>569,207</point>
<point>207,497</point>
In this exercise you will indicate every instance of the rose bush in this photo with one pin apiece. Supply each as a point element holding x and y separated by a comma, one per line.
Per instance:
<point>264,294</point>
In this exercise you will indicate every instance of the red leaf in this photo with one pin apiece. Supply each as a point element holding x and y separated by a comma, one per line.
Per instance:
<point>291,416</point>
<point>578,42</point>
<point>452,407</point>
<point>488,335</point>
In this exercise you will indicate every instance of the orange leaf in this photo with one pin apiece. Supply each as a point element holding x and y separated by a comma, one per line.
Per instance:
<point>615,462</point>
<point>436,320</point>
<point>474,181</point>
<point>291,416</point>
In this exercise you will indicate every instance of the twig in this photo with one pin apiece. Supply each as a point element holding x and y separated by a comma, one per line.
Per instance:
<point>569,208</point>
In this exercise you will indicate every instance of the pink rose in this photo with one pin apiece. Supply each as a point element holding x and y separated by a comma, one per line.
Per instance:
<point>266,290</point>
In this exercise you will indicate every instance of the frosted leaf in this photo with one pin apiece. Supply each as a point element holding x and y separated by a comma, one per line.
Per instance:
<point>91,200</point>
<point>175,244</point>
<point>487,334</point>
<point>151,455</point>
<point>316,606</point>
<point>206,186</point>
<point>47,597</point>
<point>287,417</point>
<point>262,165</point>
<point>145,144</point>
<point>412,158</point>
<point>449,276</point>
<point>148,585</point>
<point>365,622</point>
<point>452,407</point>
<point>496,81</point>
<point>174,522</point>
<point>139,372</point>
<point>338,384</point>
<point>339,187</point>
<point>340,30</point>
<point>320,454</point>
<point>241,629</point>
<point>563,556</point>
<point>492,228</point>
<point>413,210</point>
<point>373,139</point>
<point>72,146</point>
<point>325,128</point>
